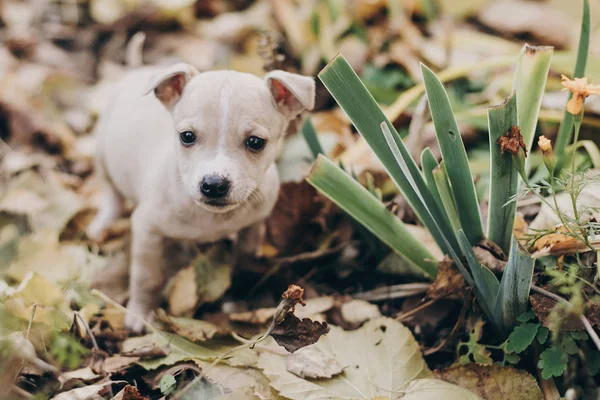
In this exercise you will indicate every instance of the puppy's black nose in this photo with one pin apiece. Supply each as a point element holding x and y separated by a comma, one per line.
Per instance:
<point>214,186</point>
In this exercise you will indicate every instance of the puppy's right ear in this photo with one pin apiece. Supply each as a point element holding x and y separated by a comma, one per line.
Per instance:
<point>168,84</point>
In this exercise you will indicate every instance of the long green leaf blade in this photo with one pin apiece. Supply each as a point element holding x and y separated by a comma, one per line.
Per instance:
<point>454,156</point>
<point>564,131</point>
<point>445,192</point>
<point>310,135</point>
<point>504,178</point>
<point>366,115</point>
<point>531,75</point>
<point>354,199</point>
<point>513,296</point>
<point>486,284</point>
<point>428,164</point>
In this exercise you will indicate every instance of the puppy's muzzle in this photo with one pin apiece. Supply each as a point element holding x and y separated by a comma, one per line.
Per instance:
<point>214,186</point>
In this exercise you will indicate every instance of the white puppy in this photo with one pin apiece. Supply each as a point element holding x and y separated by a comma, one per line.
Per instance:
<point>196,153</point>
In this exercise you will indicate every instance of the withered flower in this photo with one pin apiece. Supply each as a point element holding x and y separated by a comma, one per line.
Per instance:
<point>513,143</point>
<point>581,89</point>
<point>546,146</point>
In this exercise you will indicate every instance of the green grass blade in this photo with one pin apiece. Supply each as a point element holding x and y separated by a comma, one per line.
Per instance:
<point>443,188</point>
<point>486,284</point>
<point>513,296</point>
<point>454,156</point>
<point>352,96</point>
<point>529,83</point>
<point>310,135</point>
<point>428,164</point>
<point>564,131</point>
<point>354,199</point>
<point>504,178</point>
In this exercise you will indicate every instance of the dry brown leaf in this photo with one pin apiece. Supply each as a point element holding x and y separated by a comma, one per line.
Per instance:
<point>293,333</point>
<point>557,244</point>
<point>449,282</point>
<point>256,317</point>
<point>493,382</point>
<point>191,329</point>
<point>129,393</point>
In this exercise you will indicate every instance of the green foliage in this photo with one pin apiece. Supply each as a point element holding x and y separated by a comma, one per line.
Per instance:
<point>593,362</point>
<point>167,384</point>
<point>521,337</point>
<point>553,362</point>
<point>385,83</point>
<point>542,334</point>
<point>310,135</point>
<point>67,350</point>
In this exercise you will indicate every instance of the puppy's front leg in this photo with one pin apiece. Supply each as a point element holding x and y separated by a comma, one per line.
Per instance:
<point>147,274</point>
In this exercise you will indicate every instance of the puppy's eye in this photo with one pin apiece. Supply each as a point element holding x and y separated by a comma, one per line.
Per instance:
<point>254,143</point>
<point>187,138</point>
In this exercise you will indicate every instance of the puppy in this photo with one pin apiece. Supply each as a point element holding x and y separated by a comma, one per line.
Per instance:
<point>196,154</point>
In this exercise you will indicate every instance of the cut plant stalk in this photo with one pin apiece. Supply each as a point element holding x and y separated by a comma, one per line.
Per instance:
<point>350,196</point>
<point>530,79</point>
<point>504,178</point>
<point>352,96</point>
<point>454,155</point>
<point>564,131</point>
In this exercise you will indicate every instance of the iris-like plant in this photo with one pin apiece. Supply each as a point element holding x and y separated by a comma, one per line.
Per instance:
<point>443,195</point>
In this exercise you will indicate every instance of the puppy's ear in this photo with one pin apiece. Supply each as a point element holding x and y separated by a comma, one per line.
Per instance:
<point>292,93</point>
<point>168,84</point>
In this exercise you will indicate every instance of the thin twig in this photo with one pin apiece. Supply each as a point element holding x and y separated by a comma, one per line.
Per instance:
<point>588,327</point>
<point>393,292</point>
<point>457,325</point>
<point>88,331</point>
<point>412,312</point>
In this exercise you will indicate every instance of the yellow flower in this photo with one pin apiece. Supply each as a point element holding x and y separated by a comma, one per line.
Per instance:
<point>548,155</point>
<point>580,89</point>
<point>544,144</point>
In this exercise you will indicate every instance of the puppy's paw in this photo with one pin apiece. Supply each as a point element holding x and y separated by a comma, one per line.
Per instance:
<point>134,320</point>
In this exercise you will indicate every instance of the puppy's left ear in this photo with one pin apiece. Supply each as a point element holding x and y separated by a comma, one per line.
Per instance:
<point>292,93</point>
<point>168,85</point>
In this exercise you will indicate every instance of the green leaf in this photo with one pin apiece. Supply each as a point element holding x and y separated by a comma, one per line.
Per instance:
<point>352,96</point>
<point>521,337</point>
<point>542,334</point>
<point>310,135</point>
<point>67,350</point>
<point>564,131</point>
<point>513,296</point>
<point>504,177</point>
<point>553,362</point>
<point>486,283</point>
<point>443,188</point>
<point>526,316</point>
<point>349,195</point>
<point>512,358</point>
<point>569,346</point>
<point>580,335</point>
<point>428,164</point>
<point>454,156</point>
<point>529,82</point>
<point>167,384</point>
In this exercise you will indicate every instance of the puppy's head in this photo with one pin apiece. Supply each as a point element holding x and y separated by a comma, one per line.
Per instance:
<point>228,125</point>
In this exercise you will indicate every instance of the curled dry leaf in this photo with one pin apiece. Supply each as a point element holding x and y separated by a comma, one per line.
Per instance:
<point>557,244</point>
<point>288,330</point>
<point>493,382</point>
<point>129,393</point>
<point>191,329</point>
<point>449,282</point>
<point>311,362</point>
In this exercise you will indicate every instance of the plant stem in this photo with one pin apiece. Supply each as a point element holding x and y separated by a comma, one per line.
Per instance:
<point>577,122</point>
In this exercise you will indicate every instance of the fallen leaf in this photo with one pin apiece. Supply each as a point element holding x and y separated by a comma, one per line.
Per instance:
<point>256,317</point>
<point>358,311</point>
<point>380,357</point>
<point>314,306</point>
<point>448,282</point>
<point>311,362</point>
<point>191,329</point>
<point>128,393</point>
<point>85,375</point>
<point>293,333</point>
<point>205,281</point>
<point>493,382</point>
<point>435,389</point>
<point>87,392</point>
